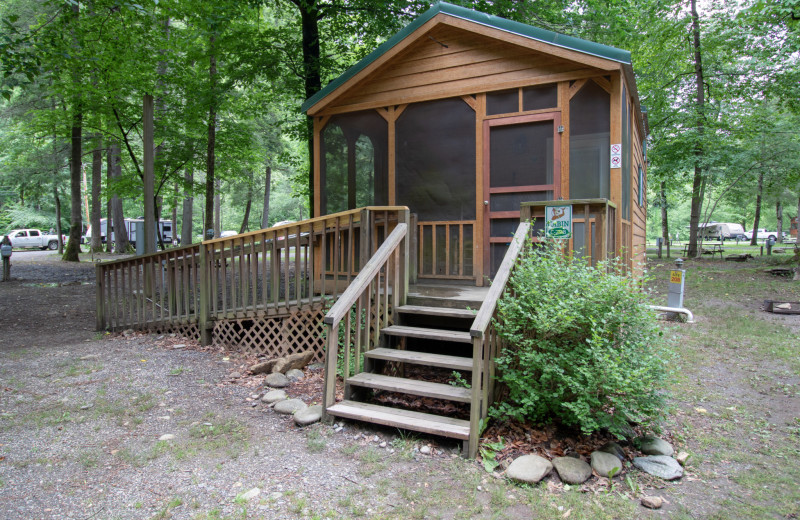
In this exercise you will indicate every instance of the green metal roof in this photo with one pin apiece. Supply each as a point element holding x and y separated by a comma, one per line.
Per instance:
<point>509,26</point>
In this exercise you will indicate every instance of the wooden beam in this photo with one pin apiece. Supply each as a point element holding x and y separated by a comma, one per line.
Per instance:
<point>456,88</point>
<point>563,104</point>
<point>392,173</point>
<point>480,211</point>
<point>615,181</point>
<point>471,101</point>
<point>576,87</point>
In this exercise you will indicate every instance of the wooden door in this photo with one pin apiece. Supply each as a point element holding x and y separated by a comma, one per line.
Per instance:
<point>522,163</point>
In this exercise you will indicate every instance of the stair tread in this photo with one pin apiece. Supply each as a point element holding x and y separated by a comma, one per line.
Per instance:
<point>421,358</point>
<point>421,332</point>
<point>437,311</point>
<point>411,386</point>
<point>410,420</point>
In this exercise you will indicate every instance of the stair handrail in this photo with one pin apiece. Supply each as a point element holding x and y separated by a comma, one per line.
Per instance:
<point>483,347</point>
<point>489,305</point>
<point>345,302</point>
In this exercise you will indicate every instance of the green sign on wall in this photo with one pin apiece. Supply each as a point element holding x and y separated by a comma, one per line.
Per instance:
<point>558,222</point>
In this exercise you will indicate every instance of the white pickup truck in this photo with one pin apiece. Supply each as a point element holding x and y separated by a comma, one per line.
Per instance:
<point>21,238</point>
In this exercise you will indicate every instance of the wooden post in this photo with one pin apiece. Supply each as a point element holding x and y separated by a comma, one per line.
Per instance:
<point>405,217</point>
<point>331,355</point>
<point>471,447</point>
<point>205,294</point>
<point>99,301</point>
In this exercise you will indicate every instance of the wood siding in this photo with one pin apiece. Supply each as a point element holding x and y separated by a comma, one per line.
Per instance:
<point>449,61</point>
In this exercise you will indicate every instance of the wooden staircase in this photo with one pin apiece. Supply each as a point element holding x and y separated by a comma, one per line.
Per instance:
<point>428,334</point>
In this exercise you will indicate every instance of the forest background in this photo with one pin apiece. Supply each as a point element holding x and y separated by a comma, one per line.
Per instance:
<point>217,87</point>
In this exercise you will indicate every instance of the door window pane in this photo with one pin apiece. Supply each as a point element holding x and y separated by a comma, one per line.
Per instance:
<point>521,155</point>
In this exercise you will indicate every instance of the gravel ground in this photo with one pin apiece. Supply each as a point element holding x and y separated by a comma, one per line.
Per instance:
<point>81,415</point>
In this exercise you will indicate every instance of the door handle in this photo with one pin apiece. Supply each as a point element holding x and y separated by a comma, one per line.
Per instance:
<point>485,202</point>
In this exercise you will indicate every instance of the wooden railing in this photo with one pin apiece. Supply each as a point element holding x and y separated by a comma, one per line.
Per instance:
<point>262,273</point>
<point>365,307</point>
<point>445,249</point>
<point>149,290</point>
<point>485,342</point>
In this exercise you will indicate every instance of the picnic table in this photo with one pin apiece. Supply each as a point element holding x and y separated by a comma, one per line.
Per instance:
<point>712,250</point>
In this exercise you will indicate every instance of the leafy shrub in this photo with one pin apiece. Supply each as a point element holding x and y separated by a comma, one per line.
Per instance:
<point>581,346</point>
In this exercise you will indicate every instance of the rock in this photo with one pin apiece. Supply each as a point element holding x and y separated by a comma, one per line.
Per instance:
<point>264,367</point>
<point>295,374</point>
<point>382,445</point>
<point>235,375</point>
<point>660,466</point>
<point>276,380</point>
<point>289,406</point>
<point>298,360</point>
<point>572,471</point>
<point>316,367</point>
<point>529,469</point>
<point>179,346</point>
<point>273,396</point>
<point>308,415</point>
<point>166,437</point>
<point>655,446</point>
<point>604,463</point>
<point>250,494</point>
<point>682,458</point>
<point>425,450</point>
<point>652,502</point>
<point>614,449</point>
<point>127,332</point>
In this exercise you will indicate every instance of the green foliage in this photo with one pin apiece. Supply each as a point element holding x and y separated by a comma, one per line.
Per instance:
<point>582,346</point>
<point>18,216</point>
<point>488,452</point>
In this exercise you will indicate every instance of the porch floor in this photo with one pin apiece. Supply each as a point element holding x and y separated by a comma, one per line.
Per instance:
<point>446,295</point>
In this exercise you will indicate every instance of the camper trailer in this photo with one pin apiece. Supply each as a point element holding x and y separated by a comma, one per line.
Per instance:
<point>721,231</point>
<point>164,227</point>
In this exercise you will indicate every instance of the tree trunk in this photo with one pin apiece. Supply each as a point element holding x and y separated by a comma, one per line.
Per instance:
<point>246,219</point>
<point>97,179</point>
<point>697,181</point>
<point>121,240</point>
<point>212,130</point>
<point>267,186</point>
<point>217,210</point>
<point>664,222</point>
<point>149,176</point>
<point>109,206</point>
<point>309,18</point>
<point>757,217</point>
<point>187,214</point>
<point>779,216</point>
<point>174,222</point>
<point>72,251</point>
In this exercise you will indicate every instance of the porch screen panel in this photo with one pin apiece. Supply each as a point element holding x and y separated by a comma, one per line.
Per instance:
<point>539,98</point>
<point>522,155</point>
<point>589,127</point>
<point>435,147</point>
<point>354,162</point>
<point>503,102</point>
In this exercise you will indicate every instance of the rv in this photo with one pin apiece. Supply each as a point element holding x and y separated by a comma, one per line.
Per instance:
<point>164,226</point>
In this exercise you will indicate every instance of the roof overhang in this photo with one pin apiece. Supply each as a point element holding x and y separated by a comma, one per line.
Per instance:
<point>594,54</point>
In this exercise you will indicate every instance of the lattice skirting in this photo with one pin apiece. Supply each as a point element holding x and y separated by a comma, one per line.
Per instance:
<point>187,330</point>
<point>275,337</point>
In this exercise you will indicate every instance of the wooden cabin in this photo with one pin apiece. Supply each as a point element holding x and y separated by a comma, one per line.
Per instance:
<point>435,158</point>
<point>462,116</point>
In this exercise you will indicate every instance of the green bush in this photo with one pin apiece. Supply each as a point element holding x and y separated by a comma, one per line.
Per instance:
<point>582,347</point>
